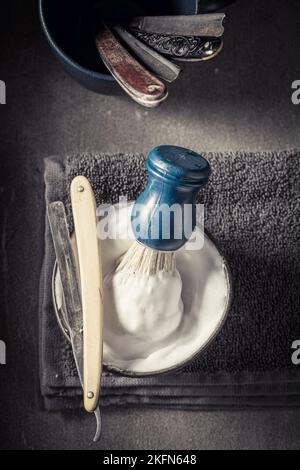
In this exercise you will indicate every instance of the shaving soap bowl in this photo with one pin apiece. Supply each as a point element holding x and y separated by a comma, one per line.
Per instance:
<point>206,297</point>
<point>70,25</point>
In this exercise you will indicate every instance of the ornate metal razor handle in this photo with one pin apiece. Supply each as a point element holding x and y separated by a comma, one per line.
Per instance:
<point>188,48</point>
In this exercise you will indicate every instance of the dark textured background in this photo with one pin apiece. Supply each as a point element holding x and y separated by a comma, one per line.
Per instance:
<point>240,101</point>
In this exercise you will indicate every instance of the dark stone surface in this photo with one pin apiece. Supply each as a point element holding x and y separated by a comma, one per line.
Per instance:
<point>240,101</point>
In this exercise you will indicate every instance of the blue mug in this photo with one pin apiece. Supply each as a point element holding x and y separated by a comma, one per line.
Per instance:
<point>70,25</point>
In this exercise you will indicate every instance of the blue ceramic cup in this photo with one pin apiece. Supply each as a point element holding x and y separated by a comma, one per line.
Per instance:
<point>70,25</point>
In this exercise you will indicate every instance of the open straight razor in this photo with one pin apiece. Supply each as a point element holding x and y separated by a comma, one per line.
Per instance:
<point>72,298</point>
<point>91,287</point>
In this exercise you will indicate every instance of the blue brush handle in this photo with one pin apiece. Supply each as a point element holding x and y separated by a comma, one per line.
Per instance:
<point>176,175</point>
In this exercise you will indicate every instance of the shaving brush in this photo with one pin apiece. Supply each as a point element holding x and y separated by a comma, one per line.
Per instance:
<point>164,215</point>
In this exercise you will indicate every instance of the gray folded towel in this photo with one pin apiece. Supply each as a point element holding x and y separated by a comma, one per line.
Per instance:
<point>252,208</point>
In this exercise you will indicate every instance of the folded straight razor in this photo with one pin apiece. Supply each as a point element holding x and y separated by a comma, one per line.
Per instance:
<point>210,24</point>
<point>136,80</point>
<point>155,62</point>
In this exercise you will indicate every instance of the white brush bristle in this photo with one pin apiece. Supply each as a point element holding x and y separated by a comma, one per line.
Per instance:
<point>143,260</point>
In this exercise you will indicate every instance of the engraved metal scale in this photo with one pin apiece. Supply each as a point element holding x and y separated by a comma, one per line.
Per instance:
<point>185,48</point>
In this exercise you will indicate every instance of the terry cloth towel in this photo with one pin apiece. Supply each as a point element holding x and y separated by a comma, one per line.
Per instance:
<point>252,206</point>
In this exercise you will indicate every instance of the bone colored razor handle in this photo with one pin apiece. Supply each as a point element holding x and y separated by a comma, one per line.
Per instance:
<point>138,82</point>
<point>89,257</point>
